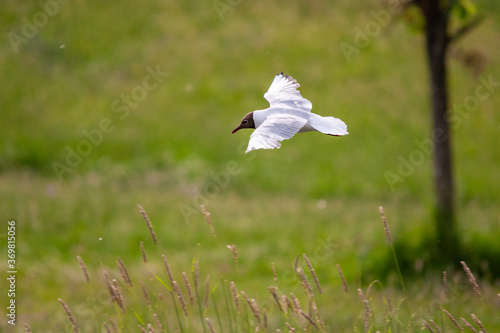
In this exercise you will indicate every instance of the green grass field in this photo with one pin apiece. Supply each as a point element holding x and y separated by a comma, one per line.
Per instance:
<point>105,106</point>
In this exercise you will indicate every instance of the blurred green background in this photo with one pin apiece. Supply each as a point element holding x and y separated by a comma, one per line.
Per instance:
<point>85,68</point>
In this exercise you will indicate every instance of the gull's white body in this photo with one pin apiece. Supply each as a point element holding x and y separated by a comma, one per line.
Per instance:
<point>289,113</point>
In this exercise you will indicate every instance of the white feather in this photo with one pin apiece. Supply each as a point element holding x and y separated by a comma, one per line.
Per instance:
<point>327,125</point>
<point>276,128</point>
<point>283,93</point>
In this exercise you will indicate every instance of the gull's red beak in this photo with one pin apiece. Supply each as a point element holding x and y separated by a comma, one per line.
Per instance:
<point>236,129</point>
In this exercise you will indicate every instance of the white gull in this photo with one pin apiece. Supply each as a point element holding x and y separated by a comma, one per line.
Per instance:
<point>289,113</point>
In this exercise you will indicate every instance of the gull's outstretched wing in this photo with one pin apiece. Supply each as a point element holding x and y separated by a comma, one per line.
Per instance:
<point>276,128</point>
<point>283,93</point>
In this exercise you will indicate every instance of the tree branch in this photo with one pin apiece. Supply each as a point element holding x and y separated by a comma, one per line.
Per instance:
<point>463,30</point>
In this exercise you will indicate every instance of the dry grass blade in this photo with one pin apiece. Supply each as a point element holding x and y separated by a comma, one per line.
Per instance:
<point>210,327</point>
<point>274,293</point>
<point>264,314</point>
<point>309,319</point>
<point>290,328</point>
<point>478,322</point>
<point>143,251</point>
<point>196,273</point>
<point>286,304</point>
<point>472,279</point>
<point>313,273</point>
<point>208,219</point>
<point>207,290</point>
<point>143,330</point>
<point>318,317</point>
<point>106,327</point>
<point>297,308</point>
<point>112,323</point>
<point>251,305</point>
<point>296,303</point>
<point>110,288</point>
<point>235,253</point>
<point>255,306</point>
<point>188,288</point>
<point>110,320</point>
<point>426,325</point>
<point>27,328</point>
<point>305,283</point>
<point>468,325</point>
<point>275,276</point>
<point>148,223</point>
<point>70,316</point>
<point>453,320</point>
<point>235,296</point>
<point>435,325</point>
<point>344,282</point>
<point>123,271</point>
<point>169,272</point>
<point>157,322</point>
<point>84,269</point>
<point>145,292</point>
<point>386,225</point>
<point>118,295</point>
<point>177,290</point>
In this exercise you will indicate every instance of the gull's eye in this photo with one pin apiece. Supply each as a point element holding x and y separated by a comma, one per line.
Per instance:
<point>245,121</point>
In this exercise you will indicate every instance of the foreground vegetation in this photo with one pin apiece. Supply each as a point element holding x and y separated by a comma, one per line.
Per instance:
<point>155,297</point>
<point>171,151</point>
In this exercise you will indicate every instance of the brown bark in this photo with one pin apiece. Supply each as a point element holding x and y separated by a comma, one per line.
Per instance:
<point>437,41</point>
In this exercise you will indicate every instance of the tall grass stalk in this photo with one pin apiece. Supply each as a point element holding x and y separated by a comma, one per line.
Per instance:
<point>70,315</point>
<point>216,310</point>
<point>395,257</point>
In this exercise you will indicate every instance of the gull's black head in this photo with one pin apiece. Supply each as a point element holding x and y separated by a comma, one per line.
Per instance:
<point>247,122</point>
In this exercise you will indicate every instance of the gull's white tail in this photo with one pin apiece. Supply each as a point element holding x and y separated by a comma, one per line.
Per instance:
<point>329,125</point>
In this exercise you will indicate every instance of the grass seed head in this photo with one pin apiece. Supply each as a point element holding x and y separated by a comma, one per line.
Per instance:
<point>69,314</point>
<point>84,269</point>
<point>234,251</point>
<point>386,225</point>
<point>453,320</point>
<point>188,288</point>
<point>123,271</point>
<point>145,292</point>
<point>272,290</point>
<point>468,325</point>
<point>207,290</point>
<point>472,279</point>
<point>344,282</point>
<point>143,251</point>
<point>148,223</point>
<point>235,296</point>
<point>478,322</point>
<point>313,273</point>
<point>209,324</point>
<point>305,283</point>
<point>208,219</point>
<point>169,272</point>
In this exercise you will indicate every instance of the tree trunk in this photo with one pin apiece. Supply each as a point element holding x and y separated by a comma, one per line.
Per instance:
<point>437,44</point>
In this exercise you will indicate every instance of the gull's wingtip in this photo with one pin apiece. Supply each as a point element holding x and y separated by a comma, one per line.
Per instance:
<point>249,149</point>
